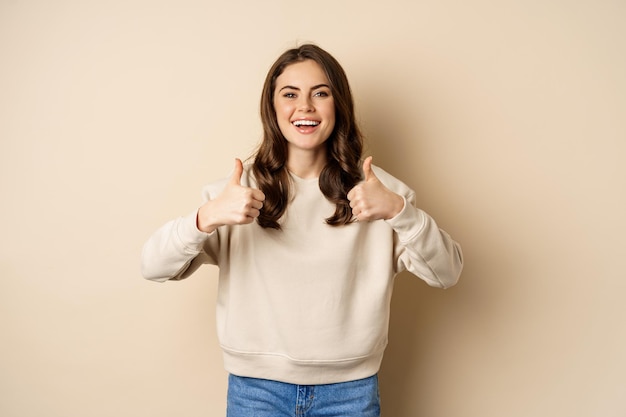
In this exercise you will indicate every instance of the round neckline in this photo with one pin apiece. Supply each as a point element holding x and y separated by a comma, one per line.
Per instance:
<point>301,180</point>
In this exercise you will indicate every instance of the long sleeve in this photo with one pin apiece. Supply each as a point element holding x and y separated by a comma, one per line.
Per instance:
<point>420,247</point>
<point>174,251</point>
<point>425,250</point>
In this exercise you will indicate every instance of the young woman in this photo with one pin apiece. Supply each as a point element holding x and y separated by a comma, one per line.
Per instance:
<point>308,239</point>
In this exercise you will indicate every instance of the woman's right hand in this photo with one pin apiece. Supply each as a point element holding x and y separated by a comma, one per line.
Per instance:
<point>236,204</point>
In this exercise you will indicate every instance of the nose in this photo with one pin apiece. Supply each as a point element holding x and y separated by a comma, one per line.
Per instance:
<point>306,104</point>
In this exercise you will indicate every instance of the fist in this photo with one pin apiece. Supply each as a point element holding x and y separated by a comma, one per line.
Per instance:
<point>371,200</point>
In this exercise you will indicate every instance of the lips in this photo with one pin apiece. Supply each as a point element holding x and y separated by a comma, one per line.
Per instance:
<point>306,125</point>
<point>305,122</point>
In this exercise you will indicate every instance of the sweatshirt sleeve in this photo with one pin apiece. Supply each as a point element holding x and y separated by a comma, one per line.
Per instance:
<point>175,250</point>
<point>423,249</point>
<point>178,248</point>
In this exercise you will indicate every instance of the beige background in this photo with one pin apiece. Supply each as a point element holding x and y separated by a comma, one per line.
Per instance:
<point>507,117</point>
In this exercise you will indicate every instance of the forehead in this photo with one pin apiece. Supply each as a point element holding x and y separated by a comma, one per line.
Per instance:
<point>302,74</point>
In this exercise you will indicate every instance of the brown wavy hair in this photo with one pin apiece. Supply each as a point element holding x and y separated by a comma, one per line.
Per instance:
<point>344,146</point>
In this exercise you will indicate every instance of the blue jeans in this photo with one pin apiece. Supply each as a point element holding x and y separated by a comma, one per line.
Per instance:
<point>251,397</point>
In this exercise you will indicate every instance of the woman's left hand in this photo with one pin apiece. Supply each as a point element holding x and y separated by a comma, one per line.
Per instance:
<point>371,200</point>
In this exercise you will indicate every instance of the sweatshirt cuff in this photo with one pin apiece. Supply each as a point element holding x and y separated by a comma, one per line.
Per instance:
<point>189,235</point>
<point>409,222</point>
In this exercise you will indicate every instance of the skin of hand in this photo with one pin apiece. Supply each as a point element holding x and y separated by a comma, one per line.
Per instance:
<point>236,204</point>
<point>371,200</point>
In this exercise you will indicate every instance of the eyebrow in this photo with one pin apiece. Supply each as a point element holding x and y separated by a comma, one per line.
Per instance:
<point>315,87</point>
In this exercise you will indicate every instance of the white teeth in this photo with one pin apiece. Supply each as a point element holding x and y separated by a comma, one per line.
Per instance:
<point>305,123</point>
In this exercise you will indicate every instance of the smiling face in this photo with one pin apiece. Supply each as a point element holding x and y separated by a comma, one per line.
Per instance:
<point>305,108</point>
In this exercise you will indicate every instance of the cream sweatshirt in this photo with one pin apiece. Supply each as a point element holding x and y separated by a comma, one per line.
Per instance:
<point>308,304</point>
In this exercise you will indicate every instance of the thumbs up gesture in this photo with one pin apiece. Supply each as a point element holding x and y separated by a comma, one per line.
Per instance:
<point>371,200</point>
<point>236,204</point>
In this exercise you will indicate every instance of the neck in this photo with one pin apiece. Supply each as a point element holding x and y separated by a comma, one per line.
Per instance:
<point>305,164</point>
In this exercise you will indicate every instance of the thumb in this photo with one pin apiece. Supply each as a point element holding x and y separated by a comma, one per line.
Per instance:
<point>236,177</point>
<point>367,169</point>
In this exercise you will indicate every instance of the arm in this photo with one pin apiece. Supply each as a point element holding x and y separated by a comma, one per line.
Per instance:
<point>170,251</point>
<point>425,250</point>
<point>420,246</point>
<point>180,246</point>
